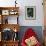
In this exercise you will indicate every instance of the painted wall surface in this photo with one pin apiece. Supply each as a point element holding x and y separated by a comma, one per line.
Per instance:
<point>22,3</point>
<point>39,13</point>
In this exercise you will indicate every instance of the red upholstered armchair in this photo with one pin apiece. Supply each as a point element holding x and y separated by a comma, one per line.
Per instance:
<point>30,38</point>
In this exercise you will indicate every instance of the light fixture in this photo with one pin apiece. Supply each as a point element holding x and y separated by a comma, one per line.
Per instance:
<point>15,3</point>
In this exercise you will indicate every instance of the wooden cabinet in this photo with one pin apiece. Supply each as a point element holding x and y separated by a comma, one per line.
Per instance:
<point>7,26</point>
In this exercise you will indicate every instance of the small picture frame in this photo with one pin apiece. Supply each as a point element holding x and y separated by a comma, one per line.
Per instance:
<point>5,12</point>
<point>30,12</point>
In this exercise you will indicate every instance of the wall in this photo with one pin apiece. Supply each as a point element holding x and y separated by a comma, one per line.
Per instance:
<point>39,13</point>
<point>22,21</point>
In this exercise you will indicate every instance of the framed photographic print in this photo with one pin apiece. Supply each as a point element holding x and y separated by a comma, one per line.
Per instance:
<point>30,12</point>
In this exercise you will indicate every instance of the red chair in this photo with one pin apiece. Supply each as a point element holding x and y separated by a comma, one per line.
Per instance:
<point>29,33</point>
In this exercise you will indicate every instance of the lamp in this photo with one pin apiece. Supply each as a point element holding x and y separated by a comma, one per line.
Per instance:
<point>15,3</point>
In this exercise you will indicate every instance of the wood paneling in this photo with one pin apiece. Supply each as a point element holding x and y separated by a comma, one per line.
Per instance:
<point>45,22</point>
<point>44,12</point>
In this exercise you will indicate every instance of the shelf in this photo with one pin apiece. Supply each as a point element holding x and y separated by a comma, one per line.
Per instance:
<point>5,8</point>
<point>11,41</point>
<point>9,10</point>
<point>10,26</point>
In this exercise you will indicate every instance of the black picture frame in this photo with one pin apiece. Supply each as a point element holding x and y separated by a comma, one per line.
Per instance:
<point>30,12</point>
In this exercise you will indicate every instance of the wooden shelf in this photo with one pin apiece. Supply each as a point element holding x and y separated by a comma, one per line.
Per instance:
<point>4,13</point>
<point>4,8</point>
<point>9,9</point>
<point>11,26</point>
<point>9,43</point>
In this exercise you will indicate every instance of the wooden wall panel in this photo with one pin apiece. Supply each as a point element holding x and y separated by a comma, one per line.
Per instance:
<point>45,22</point>
<point>44,12</point>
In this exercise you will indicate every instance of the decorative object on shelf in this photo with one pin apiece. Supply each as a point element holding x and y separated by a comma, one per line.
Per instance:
<point>30,12</point>
<point>6,21</point>
<point>15,37</point>
<point>15,3</point>
<point>5,12</point>
<point>13,12</point>
<point>15,34</point>
<point>7,34</point>
<point>15,29</point>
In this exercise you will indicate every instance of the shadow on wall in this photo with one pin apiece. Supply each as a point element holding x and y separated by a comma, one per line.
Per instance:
<point>37,29</point>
